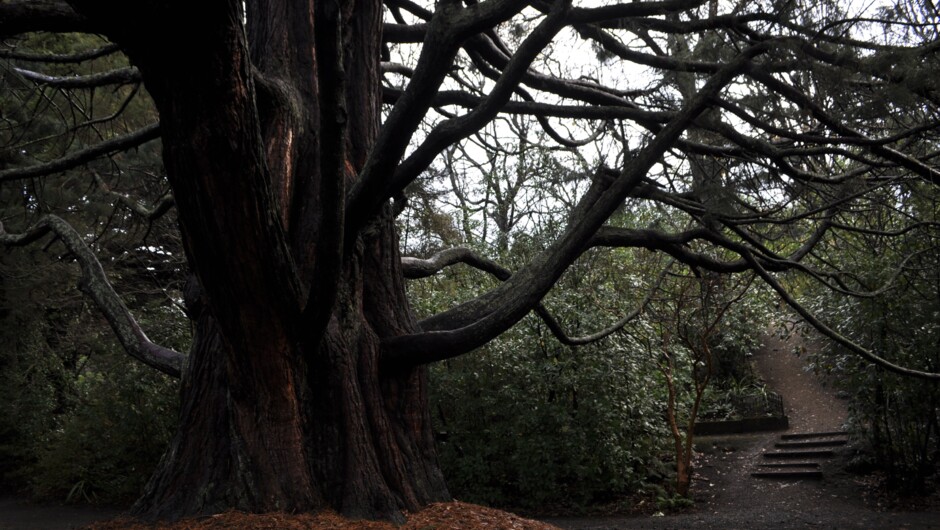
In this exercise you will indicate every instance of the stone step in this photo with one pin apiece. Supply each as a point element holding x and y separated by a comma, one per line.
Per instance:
<point>790,465</point>
<point>820,453</point>
<point>805,444</point>
<point>789,474</point>
<point>808,435</point>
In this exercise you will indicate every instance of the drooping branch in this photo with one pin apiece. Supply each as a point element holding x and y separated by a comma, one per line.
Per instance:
<point>829,332</point>
<point>59,58</point>
<point>77,158</point>
<point>916,166</point>
<point>95,284</point>
<point>562,337</point>
<point>415,268</point>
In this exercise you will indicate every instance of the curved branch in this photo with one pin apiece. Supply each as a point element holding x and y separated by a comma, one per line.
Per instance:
<point>829,332</point>
<point>71,160</point>
<point>560,334</point>
<point>415,268</point>
<point>121,76</point>
<point>95,284</point>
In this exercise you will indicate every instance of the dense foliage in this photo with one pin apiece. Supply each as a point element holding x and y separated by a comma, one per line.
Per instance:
<point>897,313</point>
<point>527,421</point>
<point>78,421</point>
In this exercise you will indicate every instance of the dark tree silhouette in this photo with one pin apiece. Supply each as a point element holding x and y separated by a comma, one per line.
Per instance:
<point>769,127</point>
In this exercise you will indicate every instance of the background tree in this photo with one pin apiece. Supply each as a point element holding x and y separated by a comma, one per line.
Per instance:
<point>756,128</point>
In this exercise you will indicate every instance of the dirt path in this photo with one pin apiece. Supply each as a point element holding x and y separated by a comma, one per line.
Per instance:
<point>810,405</point>
<point>727,497</point>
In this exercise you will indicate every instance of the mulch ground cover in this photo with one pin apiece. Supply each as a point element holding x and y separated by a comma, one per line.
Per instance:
<point>440,516</point>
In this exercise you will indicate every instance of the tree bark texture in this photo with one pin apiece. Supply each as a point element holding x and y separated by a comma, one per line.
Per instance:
<point>284,405</point>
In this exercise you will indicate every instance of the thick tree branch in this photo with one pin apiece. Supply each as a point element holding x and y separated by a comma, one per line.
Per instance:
<point>121,76</point>
<point>455,129</point>
<point>534,108</point>
<point>449,26</point>
<point>77,158</point>
<point>676,245</point>
<point>415,268</point>
<point>95,284</point>
<point>479,320</point>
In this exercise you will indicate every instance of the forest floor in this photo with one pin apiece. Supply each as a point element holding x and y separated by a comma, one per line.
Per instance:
<point>726,495</point>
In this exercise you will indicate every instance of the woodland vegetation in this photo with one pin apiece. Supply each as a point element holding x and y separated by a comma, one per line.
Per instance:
<point>367,255</point>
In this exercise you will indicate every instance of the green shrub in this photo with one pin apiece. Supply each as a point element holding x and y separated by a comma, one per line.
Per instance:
<point>106,449</point>
<point>530,423</point>
<point>897,418</point>
<point>79,419</point>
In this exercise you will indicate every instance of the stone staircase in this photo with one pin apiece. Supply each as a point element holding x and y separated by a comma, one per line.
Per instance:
<point>799,455</point>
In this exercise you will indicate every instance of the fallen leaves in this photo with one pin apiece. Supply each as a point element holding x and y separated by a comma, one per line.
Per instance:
<point>439,516</point>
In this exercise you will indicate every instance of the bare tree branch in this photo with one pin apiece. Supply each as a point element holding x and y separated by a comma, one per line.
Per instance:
<point>121,76</point>
<point>534,108</point>
<point>77,158</point>
<point>95,284</point>
<point>446,31</point>
<point>482,319</point>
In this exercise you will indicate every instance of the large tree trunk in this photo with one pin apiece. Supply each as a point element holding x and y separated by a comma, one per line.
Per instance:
<point>290,430</point>
<point>285,405</point>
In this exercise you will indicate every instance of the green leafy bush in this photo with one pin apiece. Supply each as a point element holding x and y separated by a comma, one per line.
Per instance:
<point>106,448</point>
<point>533,424</point>
<point>79,419</point>
<point>897,417</point>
